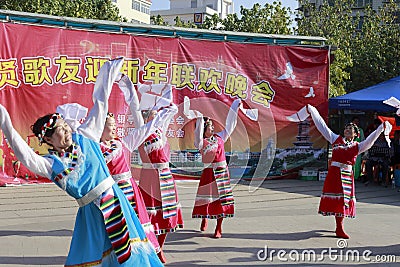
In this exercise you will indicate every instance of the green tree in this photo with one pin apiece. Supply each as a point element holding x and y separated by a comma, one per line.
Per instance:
<point>364,55</point>
<point>335,22</point>
<point>183,24</point>
<point>270,18</point>
<point>376,48</point>
<point>87,9</point>
<point>158,20</point>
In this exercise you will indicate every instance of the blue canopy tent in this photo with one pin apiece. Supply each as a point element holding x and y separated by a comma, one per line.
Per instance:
<point>370,98</point>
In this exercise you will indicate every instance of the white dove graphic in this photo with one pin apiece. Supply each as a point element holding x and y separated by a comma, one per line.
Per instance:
<point>288,73</point>
<point>310,93</point>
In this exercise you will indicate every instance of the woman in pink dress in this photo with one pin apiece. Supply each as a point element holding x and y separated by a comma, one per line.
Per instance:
<point>156,181</point>
<point>214,198</point>
<point>115,150</point>
<point>338,195</point>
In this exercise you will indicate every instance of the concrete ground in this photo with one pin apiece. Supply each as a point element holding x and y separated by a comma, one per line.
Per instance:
<point>277,224</point>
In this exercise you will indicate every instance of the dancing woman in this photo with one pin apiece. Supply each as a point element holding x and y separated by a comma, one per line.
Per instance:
<point>156,181</point>
<point>115,154</point>
<point>214,198</point>
<point>107,231</point>
<point>338,194</point>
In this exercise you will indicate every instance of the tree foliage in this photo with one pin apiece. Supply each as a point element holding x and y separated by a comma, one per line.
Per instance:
<point>364,55</point>
<point>376,48</point>
<point>334,22</point>
<point>270,18</point>
<point>87,9</point>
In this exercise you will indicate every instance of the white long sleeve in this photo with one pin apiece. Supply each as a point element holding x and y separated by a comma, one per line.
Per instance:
<point>164,124</point>
<point>198,132</point>
<point>132,100</point>
<point>23,152</point>
<point>138,135</point>
<point>231,120</point>
<point>321,125</point>
<point>94,123</point>
<point>369,142</point>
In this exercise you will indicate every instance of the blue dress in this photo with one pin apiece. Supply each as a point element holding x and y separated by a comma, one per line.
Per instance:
<point>78,173</point>
<point>107,231</point>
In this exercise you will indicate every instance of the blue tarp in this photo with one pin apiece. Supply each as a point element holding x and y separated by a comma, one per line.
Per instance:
<point>370,98</point>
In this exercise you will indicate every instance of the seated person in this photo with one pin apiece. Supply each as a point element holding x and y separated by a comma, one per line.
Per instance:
<point>396,149</point>
<point>378,159</point>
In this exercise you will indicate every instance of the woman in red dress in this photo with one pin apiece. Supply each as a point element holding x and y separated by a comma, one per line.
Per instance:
<point>214,198</point>
<point>156,181</point>
<point>338,194</point>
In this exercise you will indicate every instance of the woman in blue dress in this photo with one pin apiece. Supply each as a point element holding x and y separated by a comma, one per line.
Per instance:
<point>107,231</point>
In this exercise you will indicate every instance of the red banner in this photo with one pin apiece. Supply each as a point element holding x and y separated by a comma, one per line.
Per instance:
<point>43,67</point>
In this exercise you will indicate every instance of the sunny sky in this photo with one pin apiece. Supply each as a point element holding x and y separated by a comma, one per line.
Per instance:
<point>164,4</point>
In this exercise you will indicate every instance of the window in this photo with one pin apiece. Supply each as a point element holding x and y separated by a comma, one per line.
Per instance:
<point>360,23</point>
<point>136,5</point>
<point>397,17</point>
<point>363,3</point>
<point>193,4</point>
<point>145,9</point>
<point>368,2</point>
<point>114,1</point>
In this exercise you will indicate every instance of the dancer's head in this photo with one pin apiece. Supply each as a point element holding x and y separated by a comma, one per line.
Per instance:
<point>109,131</point>
<point>208,127</point>
<point>54,131</point>
<point>351,131</point>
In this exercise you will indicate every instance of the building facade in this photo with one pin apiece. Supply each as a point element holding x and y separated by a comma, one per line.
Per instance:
<point>195,10</point>
<point>136,11</point>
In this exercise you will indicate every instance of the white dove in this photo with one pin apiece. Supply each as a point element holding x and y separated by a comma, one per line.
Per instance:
<point>394,102</point>
<point>288,73</point>
<point>310,93</point>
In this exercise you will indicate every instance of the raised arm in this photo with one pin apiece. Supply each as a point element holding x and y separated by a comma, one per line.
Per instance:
<point>321,125</point>
<point>138,135</point>
<point>198,132</point>
<point>132,100</point>
<point>369,142</point>
<point>23,152</point>
<point>231,120</point>
<point>94,124</point>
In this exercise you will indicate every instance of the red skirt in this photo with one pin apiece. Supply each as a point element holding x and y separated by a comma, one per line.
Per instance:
<point>332,198</point>
<point>150,188</point>
<point>207,203</point>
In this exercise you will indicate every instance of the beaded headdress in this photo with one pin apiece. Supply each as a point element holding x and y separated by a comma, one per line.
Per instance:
<point>50,125</point>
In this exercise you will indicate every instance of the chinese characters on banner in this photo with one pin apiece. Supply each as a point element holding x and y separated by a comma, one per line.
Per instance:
<point>46,67</point>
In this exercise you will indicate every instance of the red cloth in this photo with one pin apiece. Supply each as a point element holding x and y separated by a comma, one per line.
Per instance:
<point>332,201</point>
<point>392,121</point>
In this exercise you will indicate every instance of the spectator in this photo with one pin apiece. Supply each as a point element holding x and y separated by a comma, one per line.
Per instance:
<point>376,122</point>
<point>396,148</point>
<point>378,161</point>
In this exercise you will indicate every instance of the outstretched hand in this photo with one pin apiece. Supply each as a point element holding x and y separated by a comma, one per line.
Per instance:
<point>387,128</point>
<point>126,89</point>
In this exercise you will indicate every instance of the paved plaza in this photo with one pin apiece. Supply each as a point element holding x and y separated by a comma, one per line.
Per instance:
<point>276,224</point>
